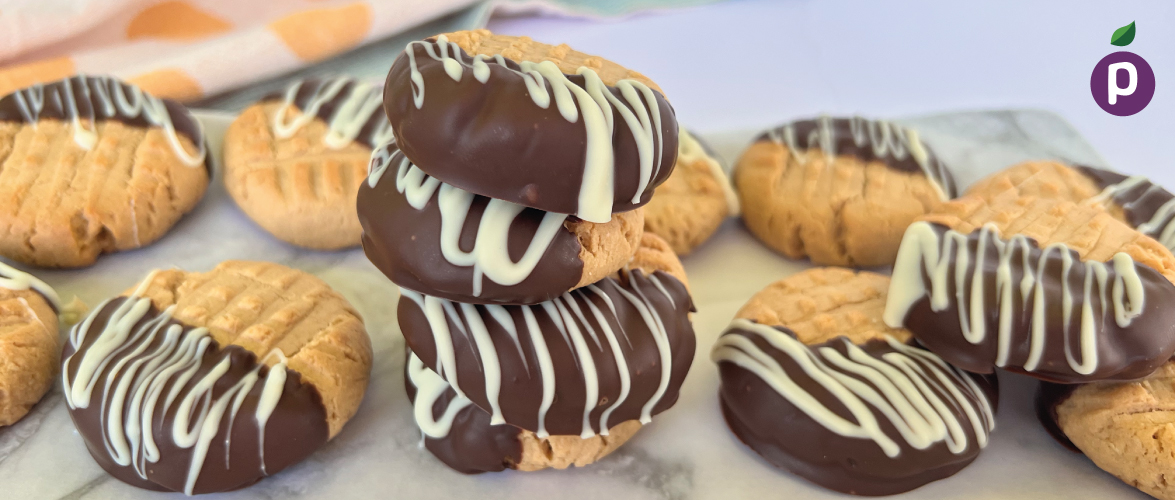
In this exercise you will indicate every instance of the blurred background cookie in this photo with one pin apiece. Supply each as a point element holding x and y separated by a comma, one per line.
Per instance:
<point>93,165</point>
<point>695,199</point>
<point>815,382</point>
<point>440,240</point>
<point>1133,199</point>
<point>839,191</point>
<point>29,349</point>
<point>557,384</point>
<point>1123,427</point>
<point>294,161</point>
<point>208,382</point>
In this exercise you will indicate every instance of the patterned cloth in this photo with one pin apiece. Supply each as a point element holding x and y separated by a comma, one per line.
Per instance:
<point>191,49</point>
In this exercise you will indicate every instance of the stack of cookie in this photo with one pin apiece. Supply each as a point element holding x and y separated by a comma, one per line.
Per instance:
<point>545,328</point>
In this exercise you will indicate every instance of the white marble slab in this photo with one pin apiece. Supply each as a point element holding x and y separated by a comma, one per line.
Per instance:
<point>686,452</point>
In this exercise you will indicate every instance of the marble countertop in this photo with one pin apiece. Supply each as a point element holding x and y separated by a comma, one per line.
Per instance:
<point>687,452</point>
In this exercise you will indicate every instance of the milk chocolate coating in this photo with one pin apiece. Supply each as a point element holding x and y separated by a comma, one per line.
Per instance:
<point>522,389</point>
<point>492,139</point>
<point>296,428</point>
<point>405,244</point>
<point>1124,353</point>
<point>87,92</point>
<point>1139,203</point>
<point>788,438</point>
<point>473,445</point>
<point>844,143</point>
<point>311,86</point>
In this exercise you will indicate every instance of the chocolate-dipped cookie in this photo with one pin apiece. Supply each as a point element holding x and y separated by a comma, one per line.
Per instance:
<point>816,383</point>
<point>839,191</point>
<point>539,125</point>
<point>1133,199</point>
<point>440,240</point>
<point>695,199</point>
<point>29,347</point>
<point>1123,427</point>
<point>93,165</point>
<point>577,365</point>
<point>981,301</point>
<point>208,382</point>
<point>460,434</point>
<point>294,160</point>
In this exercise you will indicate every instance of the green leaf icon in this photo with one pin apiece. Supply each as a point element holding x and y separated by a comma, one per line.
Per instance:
<point>1123,36</point>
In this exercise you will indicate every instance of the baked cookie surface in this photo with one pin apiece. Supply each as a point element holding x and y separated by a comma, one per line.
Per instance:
<point>442,241</point>
<point>538,125</point>
<point>91,165</point>
<point>29,347</point>
<point>1123,427</point>
<point>695,199</point>
<point>294,161</point>
<point>1143,205</point>
<point>817,384</point>
<point>208,382</point>
<point>839,191</point>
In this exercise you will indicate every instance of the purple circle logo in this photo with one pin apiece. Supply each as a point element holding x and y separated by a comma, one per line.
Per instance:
<point>1122,83</point>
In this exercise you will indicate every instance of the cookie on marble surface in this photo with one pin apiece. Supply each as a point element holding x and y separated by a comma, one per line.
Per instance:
<point>463,437</point>
<point>982,300</point>
<point>91,165</point>
<point>442,241</point>
<point>208,382</point>
<point>29,347</point>
<point>294,161</point>
<point>539,125</point>
<point>839,191</point>
<point>695,199</point>
<point>1123,427</point>
<point>1135,200</point>
<point>598,356</point>
<point>815,382</point>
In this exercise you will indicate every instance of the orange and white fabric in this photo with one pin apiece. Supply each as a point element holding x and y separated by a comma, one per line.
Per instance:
<point>187,49</point>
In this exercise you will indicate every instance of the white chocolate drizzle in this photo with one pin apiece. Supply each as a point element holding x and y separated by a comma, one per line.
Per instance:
<point>1161,224</point>
<point>135,370</point>
<point>916,391</point>
<point>490,256</point>
<point>109,97</point>
<point>887,140</point>
<point>926,252</point>
<point>689,150</point>
<point>594,103</point>
<point>569,313</point>
<point>15,279</point>
<point>429,389</point>
<point>357,102</point>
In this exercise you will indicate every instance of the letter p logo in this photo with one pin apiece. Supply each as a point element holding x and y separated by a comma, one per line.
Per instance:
<point>1112,83</point>
<point>1122,83</point>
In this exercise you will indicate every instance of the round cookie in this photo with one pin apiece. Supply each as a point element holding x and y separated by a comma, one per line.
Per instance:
<point>28,342</point>
<point>814,382</point>
<point>1135,200</point>
<point>439,240</point>
<point>460,434</point>
<point>91,165</point>
<point>695,199</point>
<point>534,124</point>
<point>839,191</point>
<point>294,161</point>
<point>209,382</point>
<point>577,365</point>
<point>983,301</point>
<point>1123,427</point>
